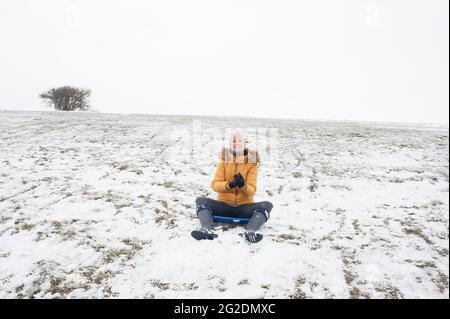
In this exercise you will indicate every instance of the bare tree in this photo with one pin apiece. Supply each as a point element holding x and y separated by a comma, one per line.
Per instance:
<point>67,98</point>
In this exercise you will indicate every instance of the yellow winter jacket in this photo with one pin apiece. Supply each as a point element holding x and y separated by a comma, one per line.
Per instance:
<point>229,165</point>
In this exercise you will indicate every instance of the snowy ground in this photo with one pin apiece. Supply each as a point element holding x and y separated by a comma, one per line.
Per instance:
<point>97,205</point>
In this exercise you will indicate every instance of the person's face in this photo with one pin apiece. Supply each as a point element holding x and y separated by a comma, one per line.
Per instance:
<point>237,143</point>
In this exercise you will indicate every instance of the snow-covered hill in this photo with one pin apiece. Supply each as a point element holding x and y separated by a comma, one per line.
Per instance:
<point>102,205</point>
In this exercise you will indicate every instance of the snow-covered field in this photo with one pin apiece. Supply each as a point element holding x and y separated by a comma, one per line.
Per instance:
<point>101,205</point>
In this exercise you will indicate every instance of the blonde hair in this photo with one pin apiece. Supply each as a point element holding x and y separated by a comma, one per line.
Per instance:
<point>252,156</point>
<point>239,136</point>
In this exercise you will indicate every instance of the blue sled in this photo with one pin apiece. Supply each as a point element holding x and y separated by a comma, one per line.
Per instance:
<point>231,220</point>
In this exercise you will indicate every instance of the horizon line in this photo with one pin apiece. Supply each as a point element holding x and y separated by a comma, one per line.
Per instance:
<point>445,124</point>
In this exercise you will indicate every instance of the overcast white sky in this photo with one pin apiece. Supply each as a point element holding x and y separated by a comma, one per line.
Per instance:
<point>314,59</point>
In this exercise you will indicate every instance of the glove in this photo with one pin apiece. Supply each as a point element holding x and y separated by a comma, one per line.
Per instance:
<point>232,184</point>
<point>239,180</point>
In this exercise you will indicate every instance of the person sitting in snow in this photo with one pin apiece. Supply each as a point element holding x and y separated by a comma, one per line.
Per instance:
<point>235,182</point>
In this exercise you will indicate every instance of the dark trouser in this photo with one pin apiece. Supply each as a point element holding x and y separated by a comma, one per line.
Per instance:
<point>258,212</point>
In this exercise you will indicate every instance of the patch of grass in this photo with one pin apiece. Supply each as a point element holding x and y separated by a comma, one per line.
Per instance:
<point>313,181</point>
<point>61,229</point>
<point>26,226</point>
<point>341,187</point>
<point>162,216</point>
<point>164,204</point>
<point>355,293</point>
<point>356,226</point>
<point>111,255</point>
<point>137,171</point>
<point>243,282</point>
<point>287,237</point>
<point>443,252</point>
<point>440,279</point>
<point>422,263</point>
<point>147,198</point>
<point>417,232</point>
<point>298,291</point>
<point>168,184</point>
<point>296,174</point>
<point>389,292</point>
<point>280,189</point>
<point>191,286</point>
<point>47,282</point>
<point>349,276</point>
